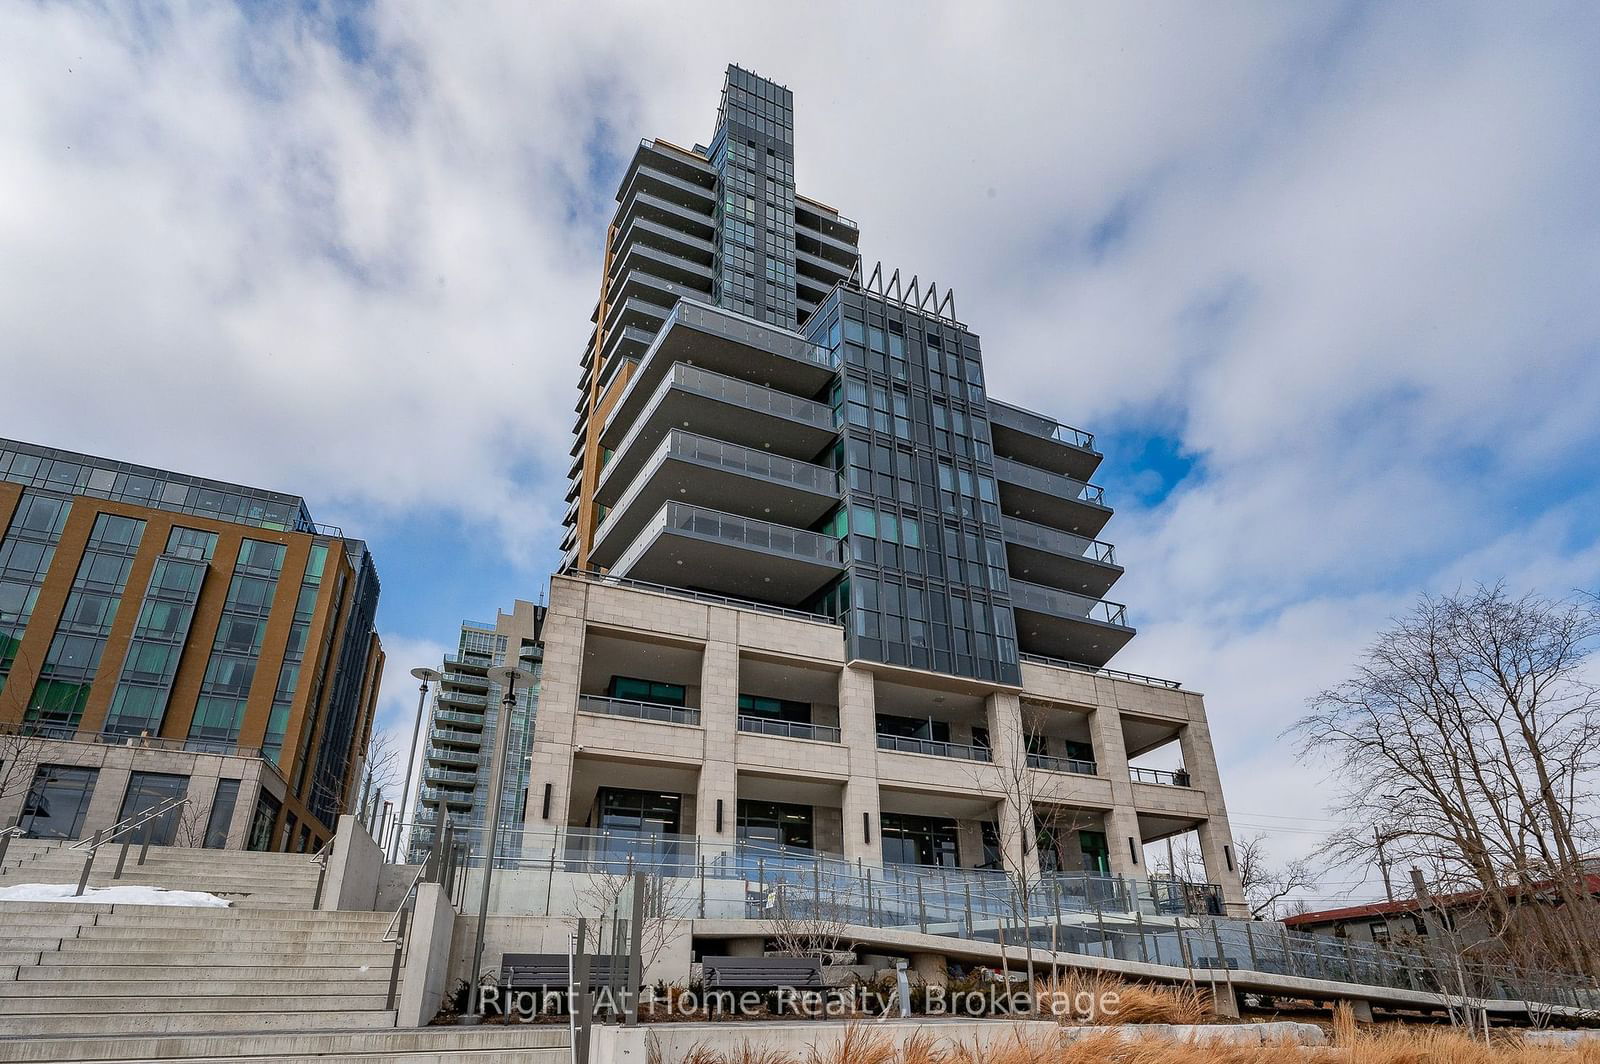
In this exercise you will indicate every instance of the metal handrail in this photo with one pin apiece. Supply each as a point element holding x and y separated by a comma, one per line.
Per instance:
<point>133,820</point>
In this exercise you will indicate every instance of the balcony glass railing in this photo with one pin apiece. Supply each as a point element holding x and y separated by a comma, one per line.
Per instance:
<point>1060,603</point>
<point>454,735</point>
<point>458,718</point>
<point>1113,674</point>
<point>462,698</point>
<point>789,729</point>
<point>748,395</point>
<point>731,456</point>
<point>1050,763</point>
<point>1007,470</point>
<point>629,707</point>
<point>1054,541</point>
<point>726,528</point>
<point>445,775</point>
<point>702,596</point>
<point>1174,778</point>
<point>960,751</point>
<point>757,334</point>
<point>1014,417</point>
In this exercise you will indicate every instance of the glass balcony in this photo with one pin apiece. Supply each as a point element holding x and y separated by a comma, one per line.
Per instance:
<point>1061,764</point>
<point>789,729</point>
<point>1049,556</point>
<point>458,718</point>
<point>1063,624</point>
<point>1066,604</point>
<point>960,751</point>
<point>445,775</point>
<point>730,555</point>
<point>1014,417</point>
<point>1161,777</point>
<point>716,475</point>
<point>628,707</point>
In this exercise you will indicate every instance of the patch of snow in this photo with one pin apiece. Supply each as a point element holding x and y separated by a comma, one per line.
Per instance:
<point>119,895</point>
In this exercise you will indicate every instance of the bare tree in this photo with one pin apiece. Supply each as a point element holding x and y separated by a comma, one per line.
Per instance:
<point>1267,884</point>
<point>382,769</point>
<point>19,763</point>
<point>1471,735</point>
<point>811,920</point>
<point>604,899</point>
<point>190,827</point>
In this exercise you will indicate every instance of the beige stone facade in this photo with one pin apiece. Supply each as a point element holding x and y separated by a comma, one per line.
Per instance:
<point>984,780</point>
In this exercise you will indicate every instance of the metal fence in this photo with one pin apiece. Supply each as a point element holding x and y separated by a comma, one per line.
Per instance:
<point>1157,921</point>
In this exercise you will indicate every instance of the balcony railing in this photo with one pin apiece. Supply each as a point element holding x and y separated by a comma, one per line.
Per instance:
<point>466,679</point>
<point>458,718</point>
<point>907,745</point>
<point>1060,603</point>
<point>702,596</point>
<point>1174,778</point>
<point>751,396</point>
<point>717,526</point>
<point>1042,480</point>
<point>455,735</point>
<point>629,707</point>
<point>445,775</point>
<point>789,729</point>
<point>1014,417</point>
<point>1054,541</point>
<point>1113,674</point>
<point>464,699</point>
<point>1051,763</point>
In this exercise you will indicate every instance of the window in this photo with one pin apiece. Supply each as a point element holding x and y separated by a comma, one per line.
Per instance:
<point>775,823</point>
<point>775,709</point>
<point>57,802</point>
<point>262,821</point>
<point>221,818</point>
<point>918,840</point>
<point>638,812</point>
<point>150,790</point>
<point>667,694</point>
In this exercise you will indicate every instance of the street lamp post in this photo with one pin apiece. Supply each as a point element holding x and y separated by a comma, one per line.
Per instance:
<point>507,676</point>
<point>427,676</point>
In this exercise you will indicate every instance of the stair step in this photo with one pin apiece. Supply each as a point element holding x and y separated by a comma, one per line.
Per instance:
<point>130,934</point>
<point>83,1003</point>
<point>94,951</point>
<point>74,973</point>
<point>193,1023</point>
<point>292,983</point>
<point>553,1055</point>
<point>446,1043</point>
<point>222,956</point>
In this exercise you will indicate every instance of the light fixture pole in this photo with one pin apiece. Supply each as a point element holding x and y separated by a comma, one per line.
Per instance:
<point>507,677</point>
<point>427,676</point>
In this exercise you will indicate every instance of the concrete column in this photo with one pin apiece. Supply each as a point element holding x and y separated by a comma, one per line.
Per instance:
<point>551,753</point>
<point>930,968</point>
<point>1121,822</point>
<point>719,716</point>
<point>427,963</point>
<point>1008,745</point>
<point>858,730</point>
<point>1215,835</point>
<point>744,947</point>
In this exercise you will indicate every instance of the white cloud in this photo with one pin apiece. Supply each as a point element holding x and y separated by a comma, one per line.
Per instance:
<point>1347,255</point>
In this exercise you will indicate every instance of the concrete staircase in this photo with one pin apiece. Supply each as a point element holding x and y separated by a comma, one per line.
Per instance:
<point>269,980</point>
<point>248,880</point>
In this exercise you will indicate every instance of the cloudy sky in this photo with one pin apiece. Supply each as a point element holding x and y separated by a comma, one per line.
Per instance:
<point>1323,278</point>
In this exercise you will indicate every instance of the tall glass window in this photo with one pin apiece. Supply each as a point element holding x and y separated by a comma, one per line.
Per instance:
<point>57,802</point>
<point>140,701</point>
<point>221,818</point>
<point>25,556</point>
<point>231,670</point>
<point>919,840</point>
<point>150,790</point>
<point>74,655</point>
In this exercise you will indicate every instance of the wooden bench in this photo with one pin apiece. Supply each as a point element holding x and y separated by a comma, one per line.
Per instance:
<point>546,971</point>
<point>762,973</point>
